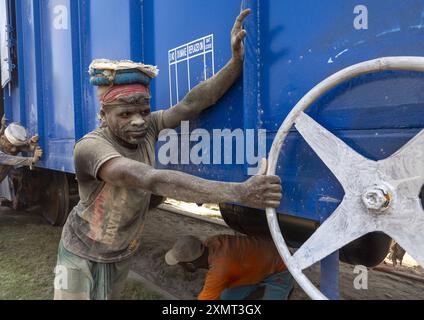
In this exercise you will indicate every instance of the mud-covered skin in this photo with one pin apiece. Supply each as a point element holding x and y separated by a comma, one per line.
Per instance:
<point>3,125</point>
<point>9,153</point>
<point>7,147</point>
<point>257,192</point>
<point>13,150</point>
<point>127,123</point>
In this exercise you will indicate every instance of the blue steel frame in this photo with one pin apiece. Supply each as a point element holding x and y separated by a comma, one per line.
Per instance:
<point>78,78</point>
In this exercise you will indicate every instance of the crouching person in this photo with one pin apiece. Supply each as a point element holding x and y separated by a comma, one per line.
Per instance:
<point>13,140</point>
<point>239,267</point>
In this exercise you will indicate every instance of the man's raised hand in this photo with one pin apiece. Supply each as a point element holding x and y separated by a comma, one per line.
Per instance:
<point>238,34</point>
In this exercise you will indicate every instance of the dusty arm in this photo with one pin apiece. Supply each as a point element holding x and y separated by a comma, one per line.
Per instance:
<point>9,160</point>
<point>259,191</point>
<point>3,125</point>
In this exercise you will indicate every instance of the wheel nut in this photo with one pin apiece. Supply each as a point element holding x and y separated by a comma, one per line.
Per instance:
<point>377,198</point>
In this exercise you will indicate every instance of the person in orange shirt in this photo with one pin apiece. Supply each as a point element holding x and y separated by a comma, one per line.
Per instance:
<point>240,267</point>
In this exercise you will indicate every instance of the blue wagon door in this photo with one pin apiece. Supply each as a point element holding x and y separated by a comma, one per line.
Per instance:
<point>5,61</point>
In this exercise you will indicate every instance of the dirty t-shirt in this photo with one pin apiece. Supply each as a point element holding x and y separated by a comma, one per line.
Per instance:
<point>237,261</point>
<point>105,225</point>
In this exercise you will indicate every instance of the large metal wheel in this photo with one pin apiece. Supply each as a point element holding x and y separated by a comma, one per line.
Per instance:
<point>55,198</point>
<point>379,195</point>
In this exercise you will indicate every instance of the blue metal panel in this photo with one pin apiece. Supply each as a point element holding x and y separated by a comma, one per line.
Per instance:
<point>171,27</point>
<point>56,58</point>
<point>27,73</point>
<point>110,29</point>
<point>329,276</point>
<point>303,49</point>
<point>78,80</point>
<point>302,43</point>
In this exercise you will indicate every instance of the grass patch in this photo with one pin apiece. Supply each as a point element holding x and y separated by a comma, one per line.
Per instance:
<point>28,249</point>
<point>135,291</point>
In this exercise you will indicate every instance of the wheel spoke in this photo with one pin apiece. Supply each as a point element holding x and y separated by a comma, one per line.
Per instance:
<point>407,229</point>
<point>349,167</point>
<point>342,227</point>
<point>405,168</point>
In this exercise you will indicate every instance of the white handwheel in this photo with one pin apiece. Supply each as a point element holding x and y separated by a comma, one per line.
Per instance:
<point>379,195</point>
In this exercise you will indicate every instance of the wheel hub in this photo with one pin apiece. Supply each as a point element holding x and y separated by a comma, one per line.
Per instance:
<point>378,198</point>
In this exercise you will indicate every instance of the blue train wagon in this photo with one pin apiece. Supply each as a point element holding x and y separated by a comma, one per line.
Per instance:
<point>292,46</point>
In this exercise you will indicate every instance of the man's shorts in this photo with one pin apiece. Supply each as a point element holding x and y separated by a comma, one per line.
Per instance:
<point>277,286</point>
<point>81,279</point>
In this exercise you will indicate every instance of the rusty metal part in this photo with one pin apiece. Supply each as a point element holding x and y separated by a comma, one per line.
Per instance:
<point>55,198</point>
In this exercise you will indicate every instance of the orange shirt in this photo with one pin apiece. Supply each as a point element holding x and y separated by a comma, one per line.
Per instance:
<point>238,260</point>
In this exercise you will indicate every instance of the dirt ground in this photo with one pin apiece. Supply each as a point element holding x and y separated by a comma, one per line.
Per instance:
<point>28,248</point>
<point>163,228</point>
<point>160,232</point>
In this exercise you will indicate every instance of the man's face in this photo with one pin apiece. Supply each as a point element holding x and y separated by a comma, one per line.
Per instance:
<point>128,122</point>
<point>7,147</point>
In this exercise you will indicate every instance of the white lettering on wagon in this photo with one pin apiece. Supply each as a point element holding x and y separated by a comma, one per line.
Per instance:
<point>189,64</point>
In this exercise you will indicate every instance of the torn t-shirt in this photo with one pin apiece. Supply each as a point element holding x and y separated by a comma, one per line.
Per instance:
<point>106,224</point>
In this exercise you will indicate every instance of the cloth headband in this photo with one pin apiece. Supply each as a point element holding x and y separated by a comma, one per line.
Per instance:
<point>114,93</point>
